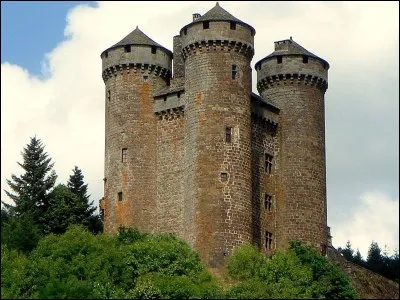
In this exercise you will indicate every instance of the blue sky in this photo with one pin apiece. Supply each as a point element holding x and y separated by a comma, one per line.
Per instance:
<point>31,28</point>
<point>65,105</point>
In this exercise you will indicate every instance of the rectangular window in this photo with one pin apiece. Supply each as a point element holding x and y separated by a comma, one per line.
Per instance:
<point>127,48</point>
<point>279,59</point>
<point>108,95</point>
<point>234,71</point>
<point>224,176</point>
<point>228,134</point>
<point>268,202</point>
<point>268,163</point>
<point>206,24</point>
<point>120,196</point>
<point>124,154</point>
<point>233,25</point>
<point>268,240</point>
<point>305,59</point>
<point>153,50</point>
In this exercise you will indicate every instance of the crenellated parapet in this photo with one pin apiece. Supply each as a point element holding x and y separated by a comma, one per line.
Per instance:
<point>293,78</point>
<point>145,69</point>
<point>218,45</point>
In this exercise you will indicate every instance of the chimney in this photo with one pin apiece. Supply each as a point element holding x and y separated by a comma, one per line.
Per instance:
<point>196,16</point>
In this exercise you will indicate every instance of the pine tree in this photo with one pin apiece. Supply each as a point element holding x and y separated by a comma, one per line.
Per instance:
<point>348,252</point>
<point>358,258</point>
<point>78,187</point>
<point>30,191</point>
<point>375,258</point>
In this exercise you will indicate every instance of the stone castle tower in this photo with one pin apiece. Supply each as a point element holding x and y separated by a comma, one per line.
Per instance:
<point>196,153</point>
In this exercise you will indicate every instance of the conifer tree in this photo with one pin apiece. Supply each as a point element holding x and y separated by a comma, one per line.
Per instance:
<point>30,191</point>
<point>77,186</point>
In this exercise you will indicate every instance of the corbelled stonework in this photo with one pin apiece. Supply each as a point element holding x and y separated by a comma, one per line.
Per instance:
<point>194,152</point>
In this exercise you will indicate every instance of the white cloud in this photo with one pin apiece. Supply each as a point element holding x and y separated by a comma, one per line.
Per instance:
<point>65,108</point>
<point>376,219</point>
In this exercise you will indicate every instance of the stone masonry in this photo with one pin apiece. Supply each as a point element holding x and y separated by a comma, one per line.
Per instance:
<point>196,153</point>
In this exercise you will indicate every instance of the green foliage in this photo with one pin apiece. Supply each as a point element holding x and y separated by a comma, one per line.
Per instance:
<point>299,272</point>
<point>78,264</point>
<point>20,233</point>
<point>30,191</point>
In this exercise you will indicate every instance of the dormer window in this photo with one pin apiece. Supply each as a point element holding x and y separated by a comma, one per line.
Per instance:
<point>233,25</point>
<point>206,25</point>
<point>127,48</point>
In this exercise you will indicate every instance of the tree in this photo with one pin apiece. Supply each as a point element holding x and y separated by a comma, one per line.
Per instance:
<point>375,258</point>
<point>348,252</point>
<point>30,191</point>
<point>358,258</point>
<point>77,186</point>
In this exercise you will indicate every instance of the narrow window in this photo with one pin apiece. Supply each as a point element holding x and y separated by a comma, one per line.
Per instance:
<point>233,25</point>
<point>109,95</point>
<point>305,59</point>
<point>234,71</point>
<point>120,196</point>
<point>127,48</point>
<point>268,240</point>
<point>228,134</point>
<point>206,24</point>
<point>268,163</point>
<point>224,177</point>
<point>124,154</point>
<point>145,77</point>
<point>153,50</point>
<point>178,95</point>
<point>268,202</point>
<point>165,98</point>
<point>279,59</point>
<point>106,54</point>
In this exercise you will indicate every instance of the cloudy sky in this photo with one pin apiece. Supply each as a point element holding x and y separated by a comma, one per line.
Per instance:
<point>51,86</point>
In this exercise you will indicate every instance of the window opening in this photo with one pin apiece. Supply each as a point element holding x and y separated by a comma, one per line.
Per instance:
<point>228,134</point>
<point>268,240</point>
<point>268,202</point>
<point>206,24</point>
<point>233,25</point>
<point>109,95</point>
<point>153,49</point>
<point>234,71</point>
<point>279,59</point>
<point>124,154</point>
<point>268,163</point>
<point>120,196</point>
<point>127,48</point>
<point>145,77</point>
<point>305,59</point>
<point>224,176</point>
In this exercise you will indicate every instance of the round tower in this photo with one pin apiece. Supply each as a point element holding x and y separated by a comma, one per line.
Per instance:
<point>295,80</point>
<point>217,49</point>
<point>132,70</point>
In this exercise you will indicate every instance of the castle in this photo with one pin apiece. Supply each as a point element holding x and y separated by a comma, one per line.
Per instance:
<point>196,153</point>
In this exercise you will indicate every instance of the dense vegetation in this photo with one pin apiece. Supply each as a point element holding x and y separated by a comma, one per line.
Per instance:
<point>53,247</point>
<point>381,263</point>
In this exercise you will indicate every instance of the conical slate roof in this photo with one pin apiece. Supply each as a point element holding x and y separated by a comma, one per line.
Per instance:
<point>217,13</point>
<point>293,49</point>
<point>137,37</point>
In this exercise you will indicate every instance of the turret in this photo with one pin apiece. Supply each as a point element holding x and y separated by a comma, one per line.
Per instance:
<point>217,49</point>
<point>295,80</point>
<point>132,70</point>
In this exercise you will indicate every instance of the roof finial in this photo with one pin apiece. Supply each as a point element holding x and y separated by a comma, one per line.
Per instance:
<point>217,4</point>
<point>137,27</point>
<point>290,37</point>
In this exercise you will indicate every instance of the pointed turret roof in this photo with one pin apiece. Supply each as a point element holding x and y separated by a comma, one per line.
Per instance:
<point>137,37</point>
<point>217,13</point>
<point>293,48</point>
